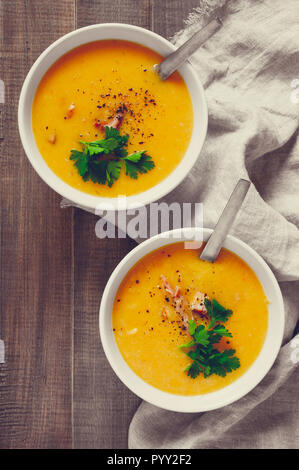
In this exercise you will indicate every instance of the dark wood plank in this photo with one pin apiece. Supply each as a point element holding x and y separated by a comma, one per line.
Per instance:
<point>36,256</point>
<point>113,11</point>
<point>168,16</point>
<point>2,86</point>
<point>103,407</point>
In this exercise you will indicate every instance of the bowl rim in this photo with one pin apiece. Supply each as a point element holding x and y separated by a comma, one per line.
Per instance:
<point>81,198</point>
<point>176,402</point>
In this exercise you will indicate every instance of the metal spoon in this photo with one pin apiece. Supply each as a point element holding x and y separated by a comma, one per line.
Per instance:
<point>215,242</point>
<point>178,57</point>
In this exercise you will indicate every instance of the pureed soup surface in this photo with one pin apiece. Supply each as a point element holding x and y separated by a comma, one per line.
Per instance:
<point>94,80</point>
<point>148,330</point>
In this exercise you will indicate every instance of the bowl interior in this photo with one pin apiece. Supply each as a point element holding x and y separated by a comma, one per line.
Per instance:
<point>83,36</point>
<point>223,396</point>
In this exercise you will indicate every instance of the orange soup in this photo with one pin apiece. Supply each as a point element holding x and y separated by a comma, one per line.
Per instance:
<point>84,89</point>
<point>149,327</point>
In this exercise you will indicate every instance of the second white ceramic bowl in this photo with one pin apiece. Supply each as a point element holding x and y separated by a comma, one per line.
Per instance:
<point>95,33</point>
<point>228,394</point>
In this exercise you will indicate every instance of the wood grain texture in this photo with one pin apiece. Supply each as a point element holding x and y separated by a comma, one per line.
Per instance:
<point>135,12</point>
<point>2,86</point>
<point>167,16</point>
<point>36,257</point>
<point>102,404</point>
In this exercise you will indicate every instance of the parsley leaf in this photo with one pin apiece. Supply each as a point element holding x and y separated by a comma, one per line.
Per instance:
<point>138,162</point>
<point>223,362</point>
<point>113,171</point>
<point>205,358</point>
<point>107,170</point>
<point>222,331</point>
<point>193,370</point>
<point>188,345</point>
<point>81,160</point>
<point>101,146</point>
<point>201,335</point>
<point>112,133</point>
<point>96,171</point>
<point>192,326</point>
<point>216,312</point>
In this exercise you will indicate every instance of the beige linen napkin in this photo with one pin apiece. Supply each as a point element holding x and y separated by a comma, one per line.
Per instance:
<point>249,69</point>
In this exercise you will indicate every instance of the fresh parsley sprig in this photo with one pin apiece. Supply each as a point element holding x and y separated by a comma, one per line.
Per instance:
<point>216,312</point>
<point>138,162</point>
<point>206,359</point>
<point>101,161</point>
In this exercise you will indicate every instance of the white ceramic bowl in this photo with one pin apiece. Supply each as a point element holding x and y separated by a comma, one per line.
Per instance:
<point>83,36</point>
<point>228,394</point>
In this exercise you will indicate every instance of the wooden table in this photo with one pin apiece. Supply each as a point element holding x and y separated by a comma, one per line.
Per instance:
<point>56,388</point>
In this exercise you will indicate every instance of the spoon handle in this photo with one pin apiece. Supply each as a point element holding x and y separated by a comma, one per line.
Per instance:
<point>179,56</point>
<point>215,242</point>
